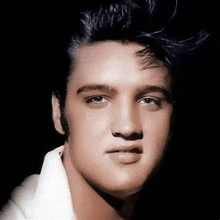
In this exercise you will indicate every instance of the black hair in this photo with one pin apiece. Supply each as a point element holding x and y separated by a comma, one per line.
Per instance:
<point>126,22</point>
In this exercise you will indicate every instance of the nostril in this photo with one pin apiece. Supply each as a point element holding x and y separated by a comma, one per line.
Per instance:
<point>135,136</point>
<point>130,137</point>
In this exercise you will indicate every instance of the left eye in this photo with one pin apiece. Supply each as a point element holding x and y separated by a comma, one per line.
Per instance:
<point>149,101</point>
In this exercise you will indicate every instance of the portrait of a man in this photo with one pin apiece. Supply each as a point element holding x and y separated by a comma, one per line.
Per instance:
<point>115,109</point>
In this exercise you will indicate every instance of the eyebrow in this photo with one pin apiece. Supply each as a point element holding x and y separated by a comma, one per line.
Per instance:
<point>89,87</point>
<point>149,89</point>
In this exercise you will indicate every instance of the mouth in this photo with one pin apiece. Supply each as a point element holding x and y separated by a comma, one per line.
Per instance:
<point>127,149</point>
<point>126,154</point>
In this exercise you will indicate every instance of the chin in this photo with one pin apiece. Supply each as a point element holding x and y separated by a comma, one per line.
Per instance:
<point>124,190</point>
<point>124,194</point>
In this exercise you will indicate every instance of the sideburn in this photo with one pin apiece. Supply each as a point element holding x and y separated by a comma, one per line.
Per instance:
<point>64,124</point>
<point>63,120</point>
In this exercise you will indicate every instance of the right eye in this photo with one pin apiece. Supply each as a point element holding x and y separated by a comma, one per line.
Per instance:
<point>97,99</point>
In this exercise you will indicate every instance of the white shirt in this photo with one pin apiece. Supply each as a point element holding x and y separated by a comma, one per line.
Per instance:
<point>45,196</point>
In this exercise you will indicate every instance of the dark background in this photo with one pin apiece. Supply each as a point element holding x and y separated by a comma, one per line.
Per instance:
<point>33,38</point>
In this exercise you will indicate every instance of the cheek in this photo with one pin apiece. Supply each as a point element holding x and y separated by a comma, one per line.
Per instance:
<point>86,127</point>
<point>157,130</point>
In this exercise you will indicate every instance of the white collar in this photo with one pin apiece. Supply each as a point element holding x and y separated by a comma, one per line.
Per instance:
<point>52,198</point>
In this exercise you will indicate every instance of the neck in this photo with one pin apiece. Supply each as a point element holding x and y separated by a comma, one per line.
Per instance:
<point>89,203</point>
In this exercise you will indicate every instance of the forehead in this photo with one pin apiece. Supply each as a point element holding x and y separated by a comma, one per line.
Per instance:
<point>115,61</point>
<point>107,50</point>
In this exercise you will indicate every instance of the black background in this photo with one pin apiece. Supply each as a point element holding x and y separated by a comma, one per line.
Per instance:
<point>33,38</point>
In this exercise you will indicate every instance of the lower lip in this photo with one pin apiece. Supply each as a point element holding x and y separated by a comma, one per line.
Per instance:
<point>125,157</point>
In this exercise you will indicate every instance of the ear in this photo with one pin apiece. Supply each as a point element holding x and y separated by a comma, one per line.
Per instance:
<point>56,115</point>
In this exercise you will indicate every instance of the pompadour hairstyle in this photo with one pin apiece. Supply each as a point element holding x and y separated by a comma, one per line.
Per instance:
<point>125,21</point>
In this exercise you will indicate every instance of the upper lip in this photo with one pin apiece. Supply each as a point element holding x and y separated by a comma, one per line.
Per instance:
<point>123,148</point>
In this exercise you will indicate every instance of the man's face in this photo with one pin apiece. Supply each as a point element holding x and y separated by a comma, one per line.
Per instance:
<point>118,116</point>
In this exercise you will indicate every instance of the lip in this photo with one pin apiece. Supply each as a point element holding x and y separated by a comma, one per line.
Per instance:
<point>126,154</point>
<point>126,149</point>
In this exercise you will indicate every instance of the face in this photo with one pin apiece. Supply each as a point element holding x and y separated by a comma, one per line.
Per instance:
<point>118,116</point>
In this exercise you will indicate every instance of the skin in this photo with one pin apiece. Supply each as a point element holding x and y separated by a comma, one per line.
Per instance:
<point>112,103</point>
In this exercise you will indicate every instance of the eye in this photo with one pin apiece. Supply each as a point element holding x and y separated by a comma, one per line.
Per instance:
<point>98,99</point>
<point>150,101</point>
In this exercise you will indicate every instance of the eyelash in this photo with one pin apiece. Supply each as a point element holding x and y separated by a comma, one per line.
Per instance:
<point>156,101</point>
<point>91,99</point>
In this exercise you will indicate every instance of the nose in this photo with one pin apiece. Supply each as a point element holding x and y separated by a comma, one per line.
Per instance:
<point>126,123</point>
